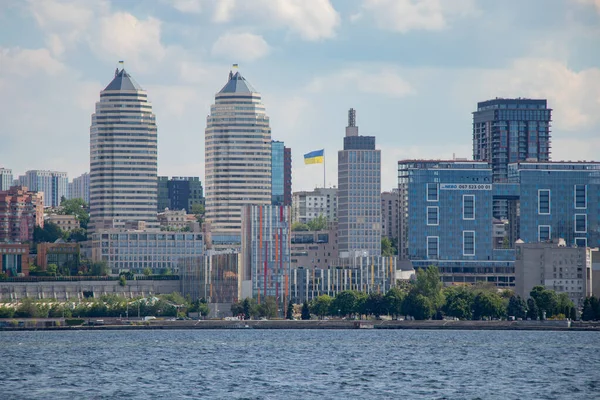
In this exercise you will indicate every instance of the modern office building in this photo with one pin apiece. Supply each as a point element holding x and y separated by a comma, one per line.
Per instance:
<point>215,277</point>
<point>556,200</point>
<point>80,188</point>
<point>123,157</point>
<point>266,252</point>
<point>554,266</point>
<point>307,206</point>
<point>287,176</point>
<point>135,251</point>
<point>359,193</point>
<point>390,218</point>
<point>53,184</point>
<point>238,156</point>
<point>277,173</point>
<point>6,178</point>
<point>592,261</point>
<point>449,221</point>
<point>179,193</point>
<point>364,274</point>
<point>20,212</point>
<point>507,131</point>
<point>314,249</point>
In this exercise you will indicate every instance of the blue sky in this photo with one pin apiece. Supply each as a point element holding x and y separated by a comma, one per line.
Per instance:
<point>413,70</point>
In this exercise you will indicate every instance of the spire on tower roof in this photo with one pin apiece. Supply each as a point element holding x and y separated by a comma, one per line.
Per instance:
<point>123,81</point>
<point>237,84</point>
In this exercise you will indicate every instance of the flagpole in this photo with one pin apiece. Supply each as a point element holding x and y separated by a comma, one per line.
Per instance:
<point>323,169</point>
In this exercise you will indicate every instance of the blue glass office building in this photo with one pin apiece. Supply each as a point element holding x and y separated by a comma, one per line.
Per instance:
<point>558,200</point>
<point>277,173</point>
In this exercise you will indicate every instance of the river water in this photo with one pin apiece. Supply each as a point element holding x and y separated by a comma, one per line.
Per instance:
<point>299,364</point>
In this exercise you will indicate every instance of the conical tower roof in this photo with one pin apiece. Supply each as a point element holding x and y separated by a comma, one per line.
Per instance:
<point>237,84</point>
<point>123,81</point>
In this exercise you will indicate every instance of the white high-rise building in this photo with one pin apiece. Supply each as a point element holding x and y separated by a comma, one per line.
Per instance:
<point>80,188</point>
<point>238,155</point>
<point>6,178</point>
<point>53,184</point>
<point>123,157</point>
<point>307,206</point>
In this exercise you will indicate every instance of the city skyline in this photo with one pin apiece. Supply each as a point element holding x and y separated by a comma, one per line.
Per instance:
<point>311,66</point>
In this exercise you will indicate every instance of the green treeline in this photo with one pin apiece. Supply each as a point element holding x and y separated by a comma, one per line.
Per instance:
<point>167,305</point>
<point>427,298</point>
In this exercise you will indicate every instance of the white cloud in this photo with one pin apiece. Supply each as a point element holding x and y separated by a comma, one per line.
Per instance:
<point>312,20</point>
<point>406,15</point>
<point>385,81</point>
<point>590,2</point>
<point>188,6</point>
<point>240,46</point>
<point>27,62</point>
<point>573,95</point>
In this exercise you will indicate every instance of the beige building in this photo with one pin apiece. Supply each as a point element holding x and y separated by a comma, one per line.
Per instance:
<point>65,222</point>
<point>173,219</point>
<point>238,155</point>
<point>554,266</point>
<point>314,249</point>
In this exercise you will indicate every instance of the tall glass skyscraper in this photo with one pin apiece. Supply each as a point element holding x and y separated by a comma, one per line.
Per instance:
<point>507,131</point>
<point>123,157</point>
<point>359,194</point>
<point>277,173</point>
<point>237,156</point>
<point>54,184</point>
<point>6,178</point>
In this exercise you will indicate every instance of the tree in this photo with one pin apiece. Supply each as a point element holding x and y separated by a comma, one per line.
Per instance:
<point>78,208</point>
<point>76,235</point>
<point>418,306</point>
<point>204,309</point>
<point>430,285</point>
<point>387,248</point>
<point>318,224</point>
<point>147,271</point>
<point>517,307</point>
<point>268,308</point>
<point>459,302</point>
<point>99,268</point>
<point>487,304</point>
<point>564,304</point>
<point>52,269</point>
<point>237,308</point>
<point>321,306</point>
<point>393,301</point>
<point>290,310</point>
<point>299,226</point>
<point>545,299</point>
<point>344,303</point>
<point>198,210</point>
<point>49,233</point>
<point>587,314</point>
<point>122,280</point>
<point>573,313</point>
<point>375,304</point>
<point>533,312</point>
<point>247,307</point>
<point>305,311</point>
<point>595,303</point>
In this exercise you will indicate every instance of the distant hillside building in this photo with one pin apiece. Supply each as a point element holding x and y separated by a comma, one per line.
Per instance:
<point>53,184</point>
<point>6,178</point>
<point>179,193</point>
<point>80,188</point>
<point>66,223</point>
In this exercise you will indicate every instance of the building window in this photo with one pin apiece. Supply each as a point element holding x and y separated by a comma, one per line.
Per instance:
<point>468,206</point>
<point>580,196</point>
<point>433,245</point>
<point>433,193</point>
<point>581,242</point>
<point>433,215</point>
<point>468,243</point>
<point>544,233</point>
<point>580,223</point>
<point>544,201</point>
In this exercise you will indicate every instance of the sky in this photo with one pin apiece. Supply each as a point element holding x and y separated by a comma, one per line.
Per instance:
<point>413,70</point>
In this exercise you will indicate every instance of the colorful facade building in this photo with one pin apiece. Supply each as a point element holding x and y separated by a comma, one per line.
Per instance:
<point>20,212</point>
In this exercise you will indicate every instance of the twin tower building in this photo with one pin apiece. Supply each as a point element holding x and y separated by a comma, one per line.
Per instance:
<point>238,165</point>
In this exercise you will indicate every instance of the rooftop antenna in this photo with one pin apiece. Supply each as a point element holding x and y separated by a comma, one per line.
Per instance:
<point>122,65</point>
<point>352,129</point>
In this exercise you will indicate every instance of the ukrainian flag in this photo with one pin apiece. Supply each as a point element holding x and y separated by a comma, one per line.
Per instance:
<point>315,157</point>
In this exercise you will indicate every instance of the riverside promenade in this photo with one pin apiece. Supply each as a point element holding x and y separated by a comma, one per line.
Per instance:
<point>115,324</point>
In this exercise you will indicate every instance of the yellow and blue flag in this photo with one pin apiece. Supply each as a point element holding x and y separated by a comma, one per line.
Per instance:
<point>315,157</point>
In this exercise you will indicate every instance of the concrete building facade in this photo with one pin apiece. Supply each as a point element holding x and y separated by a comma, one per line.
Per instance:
<point>123,157</point>
<point>314,249</point>
<point>359,193</point>
<point>238,156</point>
<point>80,188</point>
<point>14,259</point>
<point>554,266</point>
<point>179,193</point>
<point>277,173</point>
<point>66,223</point>
<point>6,178</point>
<point>307,206</point>
<point>390,218</point>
